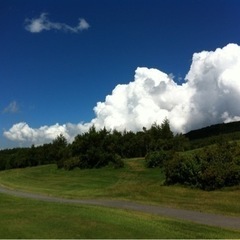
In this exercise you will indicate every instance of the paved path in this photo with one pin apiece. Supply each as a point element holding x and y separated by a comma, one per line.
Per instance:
<point>194,216</point>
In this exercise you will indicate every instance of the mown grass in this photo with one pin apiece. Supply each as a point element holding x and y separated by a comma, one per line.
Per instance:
<point>134,182</point>
<point>26,218</point>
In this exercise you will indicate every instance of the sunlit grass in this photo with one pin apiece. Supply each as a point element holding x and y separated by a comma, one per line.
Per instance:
<point>134,182</point>
<point>25,218</point>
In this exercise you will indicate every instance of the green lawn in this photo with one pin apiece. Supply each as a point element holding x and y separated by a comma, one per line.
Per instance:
<point>25,218</point>
<point>134,182</point>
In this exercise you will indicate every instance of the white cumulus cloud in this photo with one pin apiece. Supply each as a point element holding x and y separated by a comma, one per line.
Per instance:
<point>209,95</point>
<point>37,25</point>
<point>151,97</point>
<point>215,78</point>
<point>22,132</point>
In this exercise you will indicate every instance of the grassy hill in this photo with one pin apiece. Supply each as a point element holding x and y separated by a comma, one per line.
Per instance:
<point>31,219</point>
<point>214,133</point>
<point>214,130</point>
<point>134,182</point>
<point>23,218</point>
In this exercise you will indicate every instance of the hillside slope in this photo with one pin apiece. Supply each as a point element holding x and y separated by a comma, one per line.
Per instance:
<point>214,130</point>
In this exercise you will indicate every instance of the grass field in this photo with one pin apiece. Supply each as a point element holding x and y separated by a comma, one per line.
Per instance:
<point>25,218</point>
<point>134,182</point>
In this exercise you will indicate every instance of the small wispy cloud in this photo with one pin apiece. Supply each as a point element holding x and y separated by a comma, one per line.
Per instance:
<point>13,107</point>
<point>37,25</point>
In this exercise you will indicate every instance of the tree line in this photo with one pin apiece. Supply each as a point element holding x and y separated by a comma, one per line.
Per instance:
<point>95,148</point>
<point>211,167</point>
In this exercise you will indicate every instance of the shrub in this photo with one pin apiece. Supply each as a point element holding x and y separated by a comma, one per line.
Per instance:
<point>182,169</point>
<point>212,168</point>
<point>220,168</point>
<point>71,163</point>
<point>116,161</point>
<point>98,159</point>
<point>157,158</point>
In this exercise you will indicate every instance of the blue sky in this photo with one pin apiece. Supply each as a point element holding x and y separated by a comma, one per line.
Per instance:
<point>58,76</point>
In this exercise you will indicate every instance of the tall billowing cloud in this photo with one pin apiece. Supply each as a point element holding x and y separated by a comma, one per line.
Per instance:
<point>215,79</point>
<point>151,97</point>
<point>37,25</point>
<point>209,95</point>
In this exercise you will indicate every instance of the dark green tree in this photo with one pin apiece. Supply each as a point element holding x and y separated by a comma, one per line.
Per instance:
<point>59,150</point>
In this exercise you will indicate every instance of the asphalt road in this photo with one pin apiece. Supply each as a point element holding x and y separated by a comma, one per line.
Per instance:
<point>193,216</point>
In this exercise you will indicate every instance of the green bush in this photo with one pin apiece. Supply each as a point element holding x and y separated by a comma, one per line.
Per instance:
<point>157,158</point>
<point>220,168</point>
<point>98,159</point>
<point>116,161</point>
<point>212,168</point>
<point>71,163</point>
<point>182,169</point>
